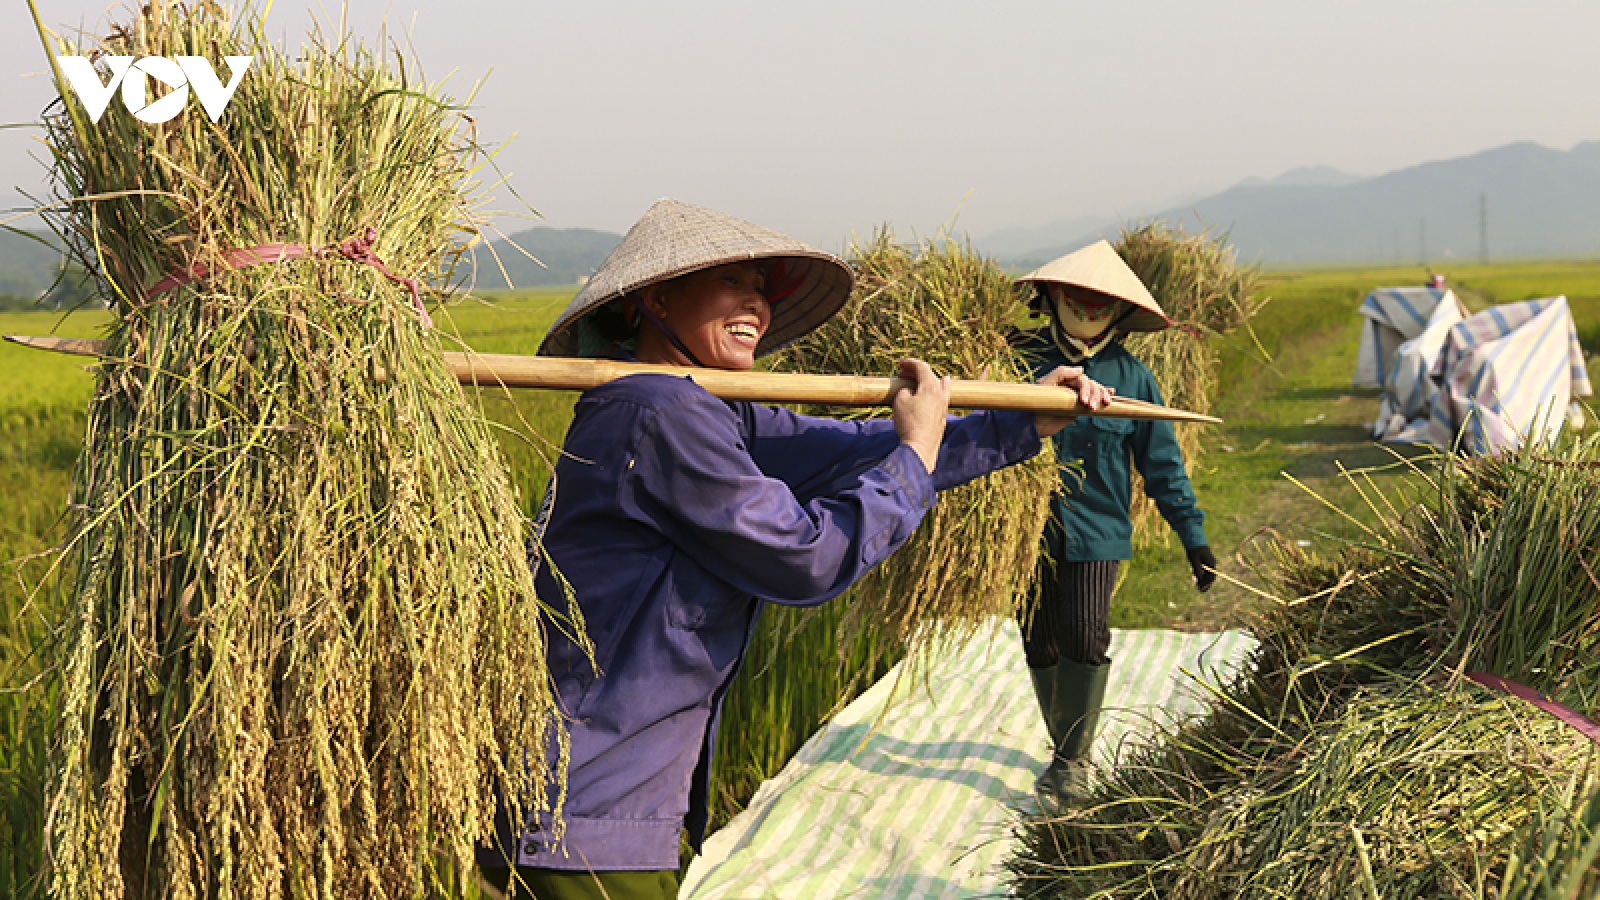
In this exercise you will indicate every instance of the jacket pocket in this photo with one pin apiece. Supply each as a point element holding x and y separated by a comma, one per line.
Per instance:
<point>699,600</point>
<point>1110,434</point>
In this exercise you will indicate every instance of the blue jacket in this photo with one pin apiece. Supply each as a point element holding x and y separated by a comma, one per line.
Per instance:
<point>676,517</point>
<point>1093,514</point>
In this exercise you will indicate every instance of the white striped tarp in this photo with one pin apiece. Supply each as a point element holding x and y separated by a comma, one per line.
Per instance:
<point>921,805</point>
<point>1505,375</point>
<point>1394,316</point>
<point>1409,386</point>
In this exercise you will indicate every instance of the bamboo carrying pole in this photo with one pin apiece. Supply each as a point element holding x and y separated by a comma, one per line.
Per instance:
<point>556,373</point>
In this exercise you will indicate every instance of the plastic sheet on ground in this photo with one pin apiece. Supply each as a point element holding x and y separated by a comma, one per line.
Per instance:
<point>922,806</point>
<point>1507,374</point>
<point>1394,316</point>
<point>1409,385</point>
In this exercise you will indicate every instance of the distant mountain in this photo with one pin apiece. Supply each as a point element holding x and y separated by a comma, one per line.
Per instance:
<point>1539,202</point>
<point>27,267</point>
<point>568,254</point>
<point>1305,175</point>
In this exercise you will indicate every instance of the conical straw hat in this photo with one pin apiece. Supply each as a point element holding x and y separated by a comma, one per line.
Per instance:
<point>674,238</point>
<point>1099,268</point>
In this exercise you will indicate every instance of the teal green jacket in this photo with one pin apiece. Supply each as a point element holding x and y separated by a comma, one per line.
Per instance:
<point>1093,513</point>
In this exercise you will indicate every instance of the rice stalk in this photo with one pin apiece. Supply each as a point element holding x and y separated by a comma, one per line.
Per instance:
<point>1429,785</point>
<point>1483,564</point>
<point>300,642</point>
<point>975,554</point>
<point>1197,280</point>
<point>1558,857</point>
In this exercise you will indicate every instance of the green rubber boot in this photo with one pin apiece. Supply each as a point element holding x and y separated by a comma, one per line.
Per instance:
<point>1070,695</point>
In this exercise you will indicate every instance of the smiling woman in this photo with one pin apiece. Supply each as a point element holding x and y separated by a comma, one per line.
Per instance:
<point>677,517</point>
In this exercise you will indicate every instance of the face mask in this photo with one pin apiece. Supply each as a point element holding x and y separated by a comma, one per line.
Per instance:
<point>1084,319</point>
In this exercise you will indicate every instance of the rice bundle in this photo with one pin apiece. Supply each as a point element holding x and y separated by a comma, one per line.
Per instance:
<point>302,638</point>
<point>1409,795</point>
<point>1351,754</point>
<point>1558,856</point>
<point>1200,285</point>
<point>975,554</point>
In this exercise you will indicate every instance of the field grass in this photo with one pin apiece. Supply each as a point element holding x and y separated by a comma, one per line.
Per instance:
<point>1295,414</point>
<point>1298,415</point>
<point>41,430</point>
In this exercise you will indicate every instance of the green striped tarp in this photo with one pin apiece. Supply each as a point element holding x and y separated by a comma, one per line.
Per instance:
<point>921,805</point>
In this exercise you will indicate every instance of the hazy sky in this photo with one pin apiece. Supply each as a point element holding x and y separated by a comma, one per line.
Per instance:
<point>821,117</point>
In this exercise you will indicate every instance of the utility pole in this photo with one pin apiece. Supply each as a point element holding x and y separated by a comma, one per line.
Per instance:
<point>1422,239</point>
<point>1483,227</point>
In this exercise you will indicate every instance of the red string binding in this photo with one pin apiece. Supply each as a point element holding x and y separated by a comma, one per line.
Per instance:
<point>1565,713</point>
<point>356,249</point>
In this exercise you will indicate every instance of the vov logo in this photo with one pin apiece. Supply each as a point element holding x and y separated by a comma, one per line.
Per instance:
<point>180,74</point>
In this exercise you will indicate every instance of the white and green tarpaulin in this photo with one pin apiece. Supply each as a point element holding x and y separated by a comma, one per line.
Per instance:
<point>921,803</point>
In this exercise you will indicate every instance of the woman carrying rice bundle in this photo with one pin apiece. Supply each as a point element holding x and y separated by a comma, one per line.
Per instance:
<point>1094,300</point>
<point>676,516</point>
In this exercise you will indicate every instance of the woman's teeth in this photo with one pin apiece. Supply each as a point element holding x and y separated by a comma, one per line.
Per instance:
<point>743,331</point>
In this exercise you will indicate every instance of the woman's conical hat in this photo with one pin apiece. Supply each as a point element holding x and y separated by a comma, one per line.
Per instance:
<point>674,238</point>
<point>1098,267</point>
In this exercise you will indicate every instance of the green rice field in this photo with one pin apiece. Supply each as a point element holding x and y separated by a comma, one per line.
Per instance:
<point>1293,413</point>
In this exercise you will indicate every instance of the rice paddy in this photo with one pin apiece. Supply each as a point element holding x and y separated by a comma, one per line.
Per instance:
<point>1273,425</point>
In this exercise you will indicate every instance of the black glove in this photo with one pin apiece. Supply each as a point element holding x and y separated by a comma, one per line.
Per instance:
<point>1204,564</point>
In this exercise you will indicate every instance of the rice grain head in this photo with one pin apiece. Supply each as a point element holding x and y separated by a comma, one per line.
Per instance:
<point>300,638</point>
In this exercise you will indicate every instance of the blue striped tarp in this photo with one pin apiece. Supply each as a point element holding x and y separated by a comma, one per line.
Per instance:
<point>920,804</point>
<point>1393,316</point>
<point>1504,375</point>
<point>1410,385</point>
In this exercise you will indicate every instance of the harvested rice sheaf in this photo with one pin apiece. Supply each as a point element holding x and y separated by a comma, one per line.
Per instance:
<point>1353,715</point>
<point>976,552</point>
<point>302,639</point>
<point>1416,793</point>
<point>1200,285</point>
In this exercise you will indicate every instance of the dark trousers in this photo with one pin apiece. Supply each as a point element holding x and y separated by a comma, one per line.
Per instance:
<point>561,884</point>
<point>1071,616</point>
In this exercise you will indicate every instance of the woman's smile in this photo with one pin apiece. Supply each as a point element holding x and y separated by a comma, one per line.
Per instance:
<point>720,315</point>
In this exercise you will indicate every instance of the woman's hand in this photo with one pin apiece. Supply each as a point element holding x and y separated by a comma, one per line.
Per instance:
<point>1091,394</point>
<point>919,411</point>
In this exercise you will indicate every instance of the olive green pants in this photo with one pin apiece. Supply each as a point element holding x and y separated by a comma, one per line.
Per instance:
<point>560,884</point>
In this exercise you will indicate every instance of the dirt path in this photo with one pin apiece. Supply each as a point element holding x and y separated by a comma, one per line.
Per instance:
<point>1297,416</point>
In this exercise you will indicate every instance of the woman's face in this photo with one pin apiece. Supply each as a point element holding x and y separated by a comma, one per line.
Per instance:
<point>720,314</point>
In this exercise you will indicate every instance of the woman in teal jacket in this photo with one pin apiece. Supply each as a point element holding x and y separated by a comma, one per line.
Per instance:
<point>1094,300</point>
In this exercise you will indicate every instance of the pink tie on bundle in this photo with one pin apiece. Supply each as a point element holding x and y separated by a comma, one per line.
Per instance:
<point>356,249</point>
<point>1564,713</point>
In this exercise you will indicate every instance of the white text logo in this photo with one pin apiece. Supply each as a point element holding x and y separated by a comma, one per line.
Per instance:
<point>179,74</point>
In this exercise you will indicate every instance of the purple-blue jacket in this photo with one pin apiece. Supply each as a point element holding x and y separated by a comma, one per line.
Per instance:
<point>676,517</point>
